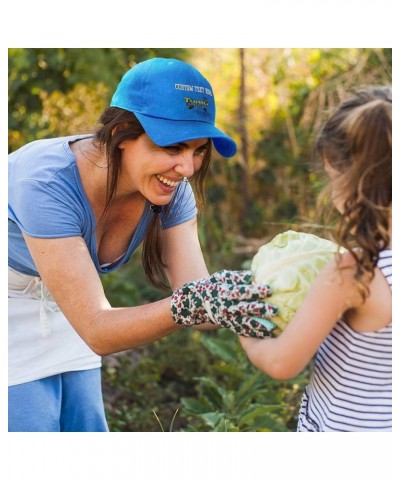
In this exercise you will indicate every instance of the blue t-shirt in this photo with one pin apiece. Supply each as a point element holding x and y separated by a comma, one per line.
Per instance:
<point>46,199</point>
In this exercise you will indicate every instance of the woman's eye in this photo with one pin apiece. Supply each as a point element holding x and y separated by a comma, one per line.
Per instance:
<point>201,151</point>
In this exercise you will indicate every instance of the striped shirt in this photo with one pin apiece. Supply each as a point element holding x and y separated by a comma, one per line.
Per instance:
<point>351,385</point>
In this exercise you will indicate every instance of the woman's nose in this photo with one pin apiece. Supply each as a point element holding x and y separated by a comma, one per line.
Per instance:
<point>186,166</point>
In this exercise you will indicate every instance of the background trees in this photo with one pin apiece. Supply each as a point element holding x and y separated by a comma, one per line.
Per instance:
<point>272,102</point>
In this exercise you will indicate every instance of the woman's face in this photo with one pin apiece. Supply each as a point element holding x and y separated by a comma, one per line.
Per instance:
<point>156,171</point>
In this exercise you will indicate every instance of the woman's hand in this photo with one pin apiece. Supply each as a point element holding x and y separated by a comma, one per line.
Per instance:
<point>227,299</point>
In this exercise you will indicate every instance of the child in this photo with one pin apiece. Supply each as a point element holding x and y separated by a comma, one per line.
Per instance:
<point>346,319</point>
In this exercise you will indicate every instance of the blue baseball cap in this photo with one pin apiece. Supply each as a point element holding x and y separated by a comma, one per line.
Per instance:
<point>173,102</point>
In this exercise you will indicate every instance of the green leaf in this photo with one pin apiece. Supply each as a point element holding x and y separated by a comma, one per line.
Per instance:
<point>250,388</point>
<point>213,385</point>
<point>220,348</point>
<point>250,414</point>
<point>270,422</point>
<point>213,418</point>
<point>230,402</point>
<point>194,406</point>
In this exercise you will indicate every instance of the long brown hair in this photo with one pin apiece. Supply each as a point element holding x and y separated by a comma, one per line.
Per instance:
<point>356,141</point>
<point>118,125</point>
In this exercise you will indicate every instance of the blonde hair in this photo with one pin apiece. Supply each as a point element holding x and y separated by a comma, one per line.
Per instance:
<point>356,141</point>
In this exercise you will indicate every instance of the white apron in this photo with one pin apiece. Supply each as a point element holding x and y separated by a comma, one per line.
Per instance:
<point>41,341</point>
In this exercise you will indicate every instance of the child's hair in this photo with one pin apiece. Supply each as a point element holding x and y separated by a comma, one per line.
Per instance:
<point>356,141</point>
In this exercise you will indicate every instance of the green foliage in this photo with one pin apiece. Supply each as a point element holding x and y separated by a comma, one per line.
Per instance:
<point>152,379</point>
<point>195,381</point>
<point>36,74</point>
<point>236,397</point>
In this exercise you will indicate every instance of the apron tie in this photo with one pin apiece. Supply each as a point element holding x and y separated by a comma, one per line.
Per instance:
<point>37,290</point>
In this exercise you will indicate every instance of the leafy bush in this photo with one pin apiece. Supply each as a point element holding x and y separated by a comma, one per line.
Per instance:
<point>235,396</point>
<point>193,381</point>
<point>143,384</point>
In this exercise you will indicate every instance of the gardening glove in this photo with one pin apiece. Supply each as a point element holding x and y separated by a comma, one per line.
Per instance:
<point>227,299</point>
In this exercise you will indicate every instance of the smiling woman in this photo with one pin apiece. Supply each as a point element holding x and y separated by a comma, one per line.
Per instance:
<point>155,171</point>
<point>79,206</point>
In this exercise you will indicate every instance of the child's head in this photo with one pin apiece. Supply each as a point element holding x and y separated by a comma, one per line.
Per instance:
<point>355,145</point>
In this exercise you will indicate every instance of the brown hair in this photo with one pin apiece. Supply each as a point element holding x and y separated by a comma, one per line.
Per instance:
<point>357,142</point>
<point>118,125</point>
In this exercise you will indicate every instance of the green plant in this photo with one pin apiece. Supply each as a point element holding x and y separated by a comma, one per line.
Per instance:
<point>192,381</point>
<point>236,397</point>
<point>143,384</point>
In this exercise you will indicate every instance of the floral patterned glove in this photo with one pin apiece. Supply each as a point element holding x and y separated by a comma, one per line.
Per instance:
<point>228,299</point>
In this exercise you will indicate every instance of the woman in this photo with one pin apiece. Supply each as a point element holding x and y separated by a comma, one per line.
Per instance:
<point>79,206</point>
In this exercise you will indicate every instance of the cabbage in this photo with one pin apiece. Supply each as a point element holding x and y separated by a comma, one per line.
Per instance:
<point>289,263</point>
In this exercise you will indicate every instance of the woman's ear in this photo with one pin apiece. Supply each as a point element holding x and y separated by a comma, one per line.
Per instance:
<point>120,126</point>
<point>123,144</point>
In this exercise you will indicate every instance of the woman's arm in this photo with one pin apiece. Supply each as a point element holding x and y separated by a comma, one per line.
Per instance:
<point>331,295</point>
<point>183,255</point>
<point>184,258</point>
<point>68,272</point>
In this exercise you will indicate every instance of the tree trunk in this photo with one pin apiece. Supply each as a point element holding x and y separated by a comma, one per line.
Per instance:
<point>244,144</point>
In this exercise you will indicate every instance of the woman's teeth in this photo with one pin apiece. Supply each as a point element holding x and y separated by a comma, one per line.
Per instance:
<point>165,181</point>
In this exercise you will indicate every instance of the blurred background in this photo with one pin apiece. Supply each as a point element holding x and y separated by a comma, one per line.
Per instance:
<point>272,102</point>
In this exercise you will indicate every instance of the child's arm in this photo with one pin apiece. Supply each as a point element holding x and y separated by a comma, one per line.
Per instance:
<point>331,295</point>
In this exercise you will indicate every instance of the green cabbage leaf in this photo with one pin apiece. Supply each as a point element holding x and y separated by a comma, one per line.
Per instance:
<point>289,263</point>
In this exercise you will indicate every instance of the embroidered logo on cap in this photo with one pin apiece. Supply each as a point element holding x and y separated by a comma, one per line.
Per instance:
<point>201,105</point>
<point>193,103</point>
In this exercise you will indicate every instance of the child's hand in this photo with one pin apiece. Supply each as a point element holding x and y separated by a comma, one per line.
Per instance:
<point>227,299</point>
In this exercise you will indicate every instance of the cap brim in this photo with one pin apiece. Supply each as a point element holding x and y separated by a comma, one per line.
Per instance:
<point>168,132</point>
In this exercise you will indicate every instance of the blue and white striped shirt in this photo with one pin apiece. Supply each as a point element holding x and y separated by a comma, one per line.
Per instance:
<point>351,385</point>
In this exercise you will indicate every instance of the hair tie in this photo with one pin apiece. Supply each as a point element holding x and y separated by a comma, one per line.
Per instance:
<point>155,208</point>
